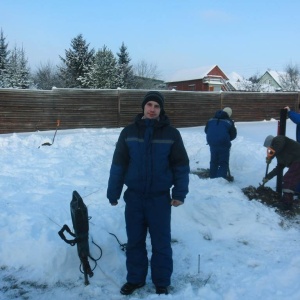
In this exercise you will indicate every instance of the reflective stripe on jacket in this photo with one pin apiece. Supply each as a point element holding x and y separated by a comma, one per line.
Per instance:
<point>149,158</point>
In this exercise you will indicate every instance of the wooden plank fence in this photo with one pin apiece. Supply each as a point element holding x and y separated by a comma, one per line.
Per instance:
<point>36,110</point>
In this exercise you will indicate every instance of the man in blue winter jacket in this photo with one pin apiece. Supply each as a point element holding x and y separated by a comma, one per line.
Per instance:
<point>220,131</point>
<point>151,160</point>
<point>295,117</point>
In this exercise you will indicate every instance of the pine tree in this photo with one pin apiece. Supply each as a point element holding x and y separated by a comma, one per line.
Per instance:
<point>125,72</point>
<point>76,63</point>
<point>103,73</point>
<point>18,72</point>
<point>24,71</point>
<point>4,54</point>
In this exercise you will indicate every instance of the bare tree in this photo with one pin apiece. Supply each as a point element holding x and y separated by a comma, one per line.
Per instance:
<point>46,77</point>
<point>255,78</point>
<point>250,85</point>
<point>290,80</point>
<point>146,75</point>
<point>143,69</point>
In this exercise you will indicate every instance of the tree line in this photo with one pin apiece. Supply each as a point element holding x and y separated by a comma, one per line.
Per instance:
<point>81,67</point>
<point>84,67</point>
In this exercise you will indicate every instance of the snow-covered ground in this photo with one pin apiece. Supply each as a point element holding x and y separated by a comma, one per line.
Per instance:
<point>224,246</point>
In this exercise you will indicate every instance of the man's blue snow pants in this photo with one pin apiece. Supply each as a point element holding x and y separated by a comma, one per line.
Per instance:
<point>151,213</point>
<point>219,161</point>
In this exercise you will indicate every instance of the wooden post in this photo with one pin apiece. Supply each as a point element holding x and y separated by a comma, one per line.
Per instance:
<point>281,131</point>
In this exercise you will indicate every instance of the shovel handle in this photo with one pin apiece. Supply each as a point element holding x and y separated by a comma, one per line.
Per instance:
<point>267,169</point>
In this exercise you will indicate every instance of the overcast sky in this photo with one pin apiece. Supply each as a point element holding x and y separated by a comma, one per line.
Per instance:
<point>247,37</point>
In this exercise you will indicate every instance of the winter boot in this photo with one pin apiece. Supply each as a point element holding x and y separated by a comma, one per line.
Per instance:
<point>287,201</point>
<point>128,288</point>
<point>161,290</point>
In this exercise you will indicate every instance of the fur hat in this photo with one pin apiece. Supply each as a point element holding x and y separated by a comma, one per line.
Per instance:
<point>154,96</point>
<point>268,141</point>
<point>228,110</point>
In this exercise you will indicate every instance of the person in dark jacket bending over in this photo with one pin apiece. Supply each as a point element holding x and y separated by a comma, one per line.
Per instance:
<point>220,131</point>
<point>151,160</point>
<point>295,117</point>
<point>287,152</point>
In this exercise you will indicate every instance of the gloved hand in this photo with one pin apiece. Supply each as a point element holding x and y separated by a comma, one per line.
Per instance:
<point>265,180</point>
<point>268,160</point>
<point>113,202</point>
<point>176,202</point>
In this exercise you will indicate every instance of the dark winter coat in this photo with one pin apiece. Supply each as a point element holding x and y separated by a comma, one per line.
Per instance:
<point>220,130</point>
<point>287,151</point>
<point>149,159</point>
<point>295,117</point>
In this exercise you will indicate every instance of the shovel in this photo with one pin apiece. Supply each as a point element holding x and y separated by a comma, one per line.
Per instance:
<point>267,169</point>
<point>47,143</point>
<point>270,154</point>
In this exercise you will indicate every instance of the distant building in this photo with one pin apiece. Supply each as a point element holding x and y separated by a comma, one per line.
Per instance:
<point>270,81</point>
<point>235,80</point>
<point>211,79</point>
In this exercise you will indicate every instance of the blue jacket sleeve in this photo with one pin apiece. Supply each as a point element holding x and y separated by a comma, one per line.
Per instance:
<point>181,169</point>
<point>232,131</point>
<point>295,117</point>
<point>118,169</point>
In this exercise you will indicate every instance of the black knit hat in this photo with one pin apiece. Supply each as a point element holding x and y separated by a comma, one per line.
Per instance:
<point>154,96</point>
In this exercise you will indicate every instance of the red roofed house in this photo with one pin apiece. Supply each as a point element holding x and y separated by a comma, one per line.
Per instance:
<point>211,79</point>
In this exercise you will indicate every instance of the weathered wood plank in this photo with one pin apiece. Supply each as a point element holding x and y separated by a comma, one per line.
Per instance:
<point>31,110</point>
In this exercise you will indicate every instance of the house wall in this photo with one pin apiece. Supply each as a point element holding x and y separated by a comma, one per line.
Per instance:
<point>216,71</point>
<point>189,85</point>
<point>269,80</point>
<point>215,88</point>
<point>197,84</point>
<point>34,110</point>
